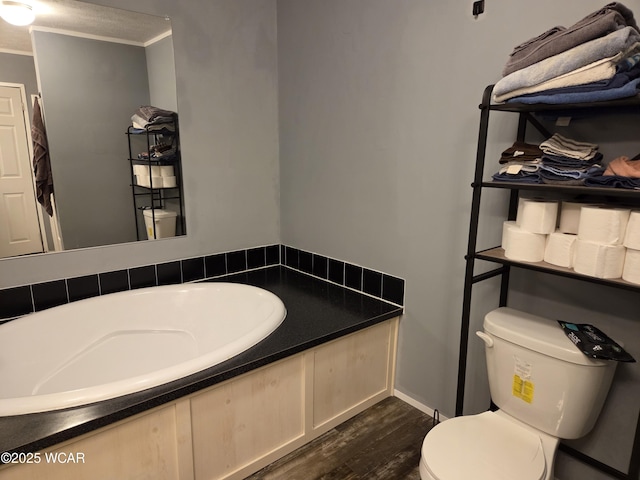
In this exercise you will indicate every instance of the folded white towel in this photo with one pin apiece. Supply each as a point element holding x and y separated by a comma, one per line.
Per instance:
<point>567,147</point>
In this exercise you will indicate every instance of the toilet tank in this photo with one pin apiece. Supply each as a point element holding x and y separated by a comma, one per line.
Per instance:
<point>537,375</point>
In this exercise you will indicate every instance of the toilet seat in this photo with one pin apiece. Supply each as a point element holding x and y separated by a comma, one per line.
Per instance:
<point>486,446</point>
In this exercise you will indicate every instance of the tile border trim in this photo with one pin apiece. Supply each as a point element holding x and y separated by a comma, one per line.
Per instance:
<point>22,300</point>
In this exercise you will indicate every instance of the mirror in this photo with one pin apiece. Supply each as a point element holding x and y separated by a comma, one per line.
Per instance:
<point>89,68</point>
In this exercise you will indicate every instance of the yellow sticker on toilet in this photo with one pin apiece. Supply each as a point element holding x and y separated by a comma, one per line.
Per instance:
<point>522,389</point>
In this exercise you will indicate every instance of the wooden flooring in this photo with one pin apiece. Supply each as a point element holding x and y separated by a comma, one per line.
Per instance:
<point>383,443</point>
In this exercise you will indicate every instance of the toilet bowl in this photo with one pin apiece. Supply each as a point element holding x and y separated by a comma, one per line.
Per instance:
<point>545,388</point>
<point>490,445</point>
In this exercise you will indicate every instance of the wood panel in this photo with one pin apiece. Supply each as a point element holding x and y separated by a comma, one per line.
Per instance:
<point>383,442</point>
<point>246,419</point>
<point>144,448</point>
<point>351,370</point>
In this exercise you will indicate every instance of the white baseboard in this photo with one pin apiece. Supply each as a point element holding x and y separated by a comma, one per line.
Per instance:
<point>416,404</point>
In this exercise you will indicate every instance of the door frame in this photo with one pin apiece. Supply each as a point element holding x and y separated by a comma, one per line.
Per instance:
<point>27,123</point>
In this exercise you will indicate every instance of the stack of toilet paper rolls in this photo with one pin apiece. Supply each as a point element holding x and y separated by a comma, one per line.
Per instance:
<point>593,240</point>
<point>599,247</point>
<point>525,239</point>
<point>162,176</point>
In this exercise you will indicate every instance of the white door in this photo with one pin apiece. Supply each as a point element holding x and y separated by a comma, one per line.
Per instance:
<point>19,226</point>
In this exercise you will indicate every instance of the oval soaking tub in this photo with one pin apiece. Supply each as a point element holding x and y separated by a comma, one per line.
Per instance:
<point>125,342</point>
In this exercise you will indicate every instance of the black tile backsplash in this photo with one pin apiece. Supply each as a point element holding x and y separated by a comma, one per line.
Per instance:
<point>372,282</point>
<point>112,282</point>
<point>169,273</point>
<point>256,258</point>
<point>192,269</point>
<point>393,289</point>
<point>236,261</point>
<point>215,265</point>
<point>17,301</point>
<point>141,277</point>
<point>291,257</point>
<point>336,271</point>
<point>49,294</point>
<point>320,266</point>
<point>80,288</point>
<point>353,276</point>
<point>272,254</point>
<point>305,261</point>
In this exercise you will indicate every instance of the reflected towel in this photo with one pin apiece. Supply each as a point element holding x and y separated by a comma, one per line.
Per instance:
<point>41,160</point>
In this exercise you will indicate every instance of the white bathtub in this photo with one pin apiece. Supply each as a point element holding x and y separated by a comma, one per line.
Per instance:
<point>121,343</point>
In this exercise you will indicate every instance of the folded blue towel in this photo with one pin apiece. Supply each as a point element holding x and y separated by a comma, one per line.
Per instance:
<point>629,89</point>
<point>613,181</point>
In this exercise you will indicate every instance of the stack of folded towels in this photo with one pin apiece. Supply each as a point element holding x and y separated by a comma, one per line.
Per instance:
<point>558,160</point>
<point>597,59</point>
<point>568,162</point>
<point>154,119</point>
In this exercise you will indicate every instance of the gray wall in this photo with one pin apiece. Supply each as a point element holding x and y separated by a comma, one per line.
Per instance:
<point>161,69</point>
<point>90,89</point>
<point>378,130</point>
<point>19,69</point>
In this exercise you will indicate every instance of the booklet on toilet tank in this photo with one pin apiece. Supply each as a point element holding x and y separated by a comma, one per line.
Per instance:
<point>594,343</point>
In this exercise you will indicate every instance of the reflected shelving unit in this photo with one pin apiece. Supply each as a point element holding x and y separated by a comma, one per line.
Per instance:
<point>153,150</point>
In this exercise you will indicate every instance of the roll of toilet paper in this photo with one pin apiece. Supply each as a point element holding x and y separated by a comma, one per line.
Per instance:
<point>142,180</point>
<point>598,260</point>
<point>632,235</point>
<point>537,216</point>
<point>524,246</point>
<point>521,201</point>
<point>156,182</point>
<point>141,170</point>
<point>559,249</point>
<point>155,171</point>
<point>169,182</point>
<point>505,237</point>
<point>166,171</point>
<point>603,224</point>
<point>631,269</point>
<point>569,217</point>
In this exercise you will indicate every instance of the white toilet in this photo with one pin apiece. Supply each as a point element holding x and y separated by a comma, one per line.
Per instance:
<point>546,389</point>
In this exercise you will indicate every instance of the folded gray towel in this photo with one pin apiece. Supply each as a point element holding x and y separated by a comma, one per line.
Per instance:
<point>611,17</point>
<point>613,44</point>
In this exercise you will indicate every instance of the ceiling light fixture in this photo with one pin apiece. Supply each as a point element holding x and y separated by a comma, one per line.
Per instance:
<point>17,13</point>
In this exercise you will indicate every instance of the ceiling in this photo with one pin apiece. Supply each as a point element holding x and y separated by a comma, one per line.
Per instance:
<point>83,18</point>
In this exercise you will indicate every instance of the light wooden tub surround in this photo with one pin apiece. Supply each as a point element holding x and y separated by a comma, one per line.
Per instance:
<point>235,428</point>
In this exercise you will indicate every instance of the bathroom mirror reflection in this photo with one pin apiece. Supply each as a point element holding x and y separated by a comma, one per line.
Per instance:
<point>89,68</point>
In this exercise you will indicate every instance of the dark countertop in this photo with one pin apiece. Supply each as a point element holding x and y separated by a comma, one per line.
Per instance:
<point>317,312</point>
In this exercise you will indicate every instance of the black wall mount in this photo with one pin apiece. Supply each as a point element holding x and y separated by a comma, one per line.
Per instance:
<point>478,8</point>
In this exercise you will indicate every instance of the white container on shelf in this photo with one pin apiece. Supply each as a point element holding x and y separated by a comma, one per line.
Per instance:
<point>156,182</point>
<point>167,171</point>
<point>165,223</point>
<point>141,170</point>
<point>142,180</point>
<point>169,182</point>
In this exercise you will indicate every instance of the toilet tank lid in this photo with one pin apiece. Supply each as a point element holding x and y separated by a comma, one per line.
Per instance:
<point>542,335</point>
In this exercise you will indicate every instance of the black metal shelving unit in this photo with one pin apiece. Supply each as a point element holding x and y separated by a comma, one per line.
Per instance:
<point>527,117</point>
<point>151,197</point>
